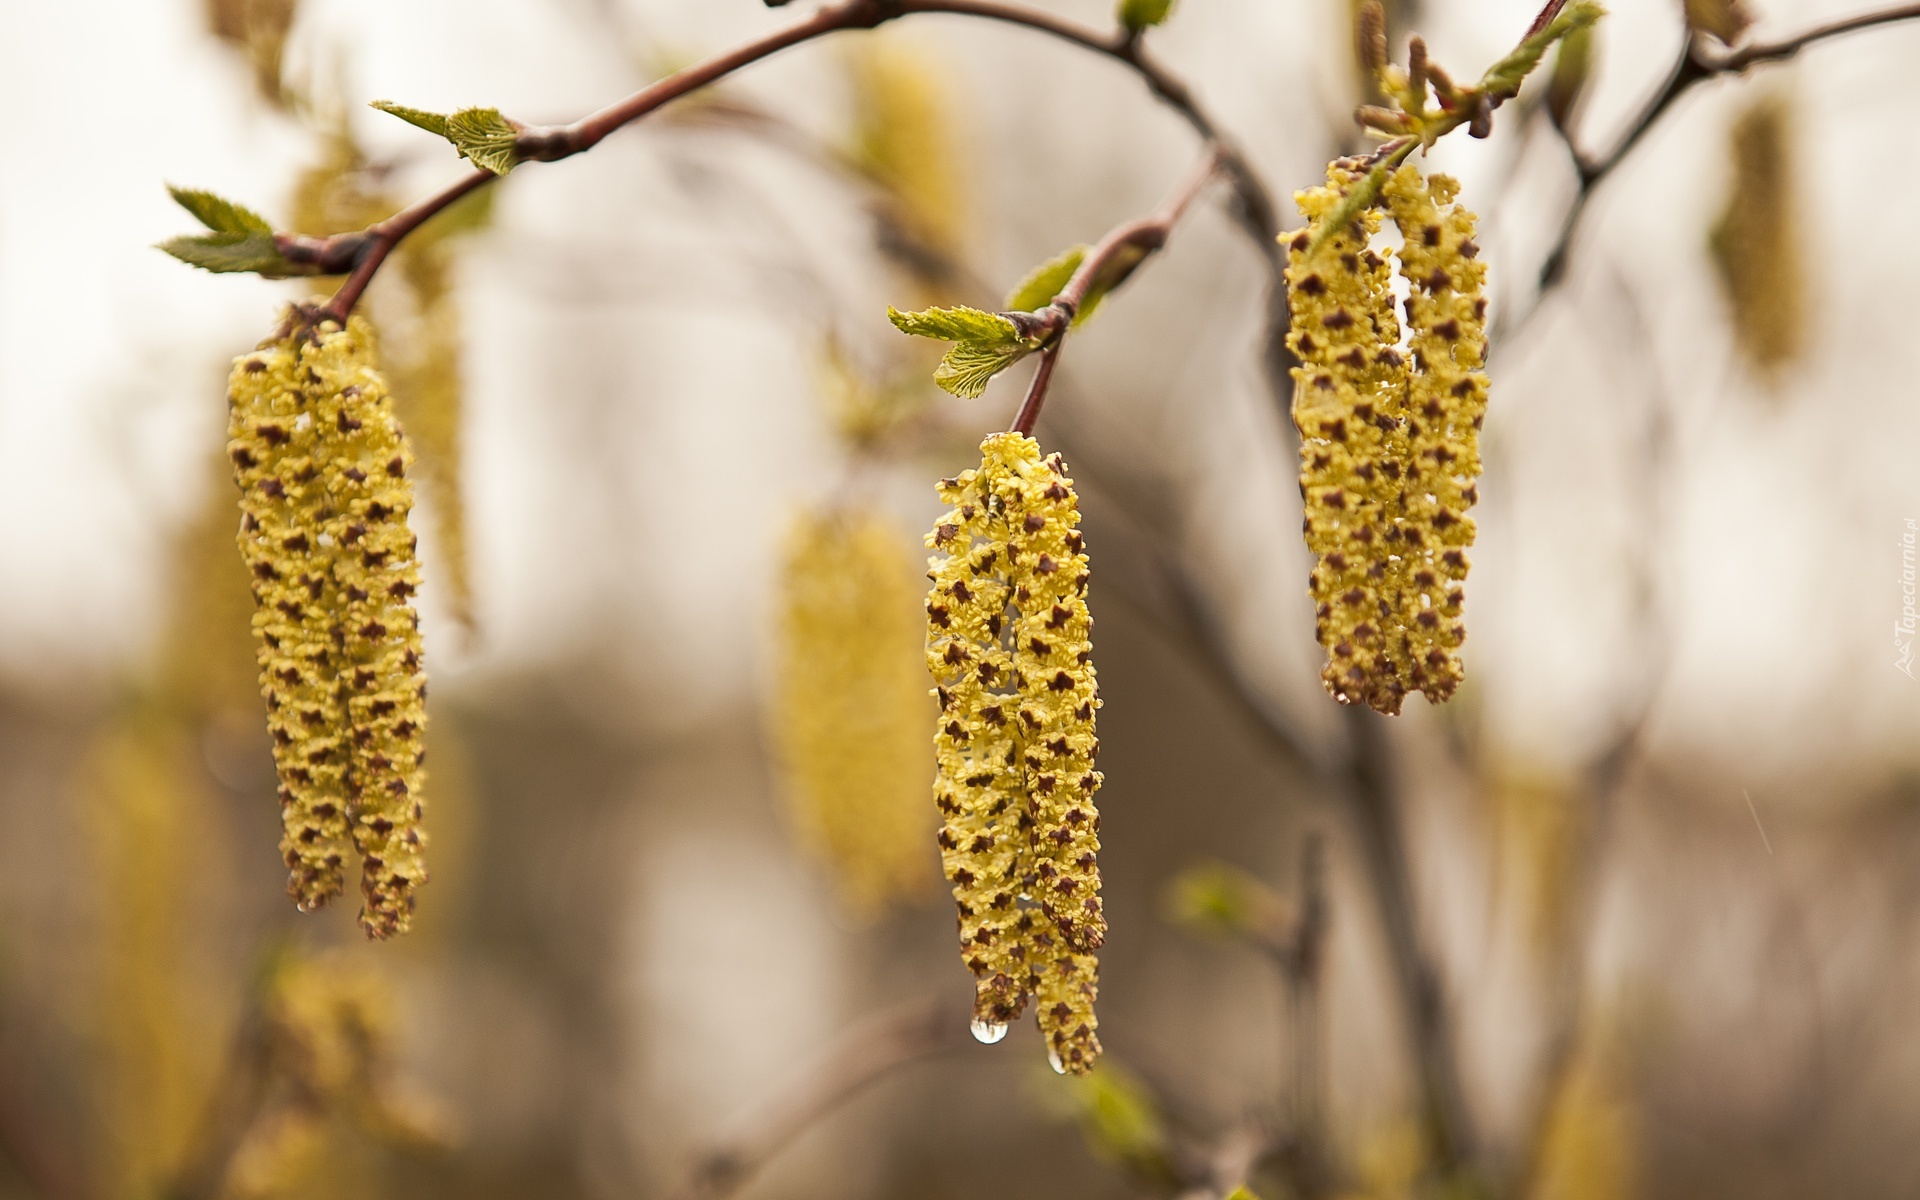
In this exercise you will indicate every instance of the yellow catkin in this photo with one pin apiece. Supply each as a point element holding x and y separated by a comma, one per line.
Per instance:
<point>905,141</point>
<point>1756,242</point>
<point>322,470</point>
<point>1389,452</point>
<point>852,704</point>
<point>1008,646</point>
<point>1349,397</point>
<point>1446,402</point>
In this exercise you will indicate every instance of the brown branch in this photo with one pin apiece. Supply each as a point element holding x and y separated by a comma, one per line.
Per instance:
<point>1695,64</point>
<point>1108,265</point>
<point>363,253</point>
<point>864,1055</point>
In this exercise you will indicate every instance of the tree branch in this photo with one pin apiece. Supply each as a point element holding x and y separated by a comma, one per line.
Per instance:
<point>1696,63</point>
<point>865,1054</point>
<point>1107,266</point>
<point>363,253</point>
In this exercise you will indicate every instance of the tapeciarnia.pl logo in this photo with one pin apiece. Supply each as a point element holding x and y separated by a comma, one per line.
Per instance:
<point>1903,629</point>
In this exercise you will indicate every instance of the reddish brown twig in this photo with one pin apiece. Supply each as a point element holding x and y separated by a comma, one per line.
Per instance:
<point>867,1053</point>
<point>1106,266</point>
<point>362,254</point>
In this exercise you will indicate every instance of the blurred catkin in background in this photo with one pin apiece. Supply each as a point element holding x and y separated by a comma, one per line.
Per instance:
<point>1757,243</point>
<point>852,708</point>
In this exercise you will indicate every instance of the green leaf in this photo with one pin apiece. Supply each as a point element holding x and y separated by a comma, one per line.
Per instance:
<point>1243,1192</point>
<point>1572,68</point>
<point>1118,1116</point>
<point>432,122</point>
<point>1137,15</point>
<point>970,366</point>
<point>481,135</point>
<point>1505,77</point>
<point>1223,900</point>
<point>484,138</point>
<point>960,324</point>
<point>231,251</point>
<point>218,213</point>
<point>1044,282</point>
<point>986,344</point>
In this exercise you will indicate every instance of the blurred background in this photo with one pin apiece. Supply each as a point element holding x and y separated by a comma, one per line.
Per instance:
<point>1634,915</point>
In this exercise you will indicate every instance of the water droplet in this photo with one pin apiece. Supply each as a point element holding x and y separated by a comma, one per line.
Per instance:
<point>988,1032</point>
<point>1053,1060</point>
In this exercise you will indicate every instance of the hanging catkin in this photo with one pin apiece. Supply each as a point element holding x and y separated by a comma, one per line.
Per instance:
<point>1446,401</point>
<point>1389,450</point>
<point>322,470</point>
<point>1008,646</point>
<point>852,704</point>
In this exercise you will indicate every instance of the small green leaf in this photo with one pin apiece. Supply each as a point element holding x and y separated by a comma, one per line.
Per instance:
<point>955,324</point>
<point>481,135</point>
<point>231,251</point>
<point>433,122</point>
<point>970,366</point>
<point>985,345</point>
<point>1505,77</point>
<point>1572,68</point>
<point>484,138</point>
<point>1044,282</point>
<point>218,213</point>
<point>1243,1192</point>
<point>1137,15</point>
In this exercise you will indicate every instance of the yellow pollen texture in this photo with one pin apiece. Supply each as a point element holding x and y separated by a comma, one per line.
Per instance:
<point>1389,453</point>
<point>1009,648</point>
<point>322,470</point>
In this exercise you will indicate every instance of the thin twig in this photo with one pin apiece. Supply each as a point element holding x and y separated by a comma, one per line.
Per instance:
<point>1695,63</point>
<point>865,1054</point>
<point>365,251</point>
<point>1115,257</point>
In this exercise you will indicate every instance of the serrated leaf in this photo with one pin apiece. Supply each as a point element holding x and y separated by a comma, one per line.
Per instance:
<point>958,324</point>
<point>1505,77</point>
<point>1044,282</point>
<point>481,135</point>
<point>970,366</point>
<point>1137,15</point>
<point>484,138</point>
<point>234,252</point>
<point>218,213</point>
<point>433,122</point>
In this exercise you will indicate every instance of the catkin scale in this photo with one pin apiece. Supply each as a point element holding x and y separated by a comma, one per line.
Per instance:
<point>1446,401</point>
<point>1389,450</point>
<point>1348,406</point>
<point>1008,647</point>
<point>321,465</point>
<point>274,444</point>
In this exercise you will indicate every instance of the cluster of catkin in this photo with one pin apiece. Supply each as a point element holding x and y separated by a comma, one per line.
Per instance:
<point>1390,433</point>
<point>853,705</point>
<point>324,497</point>
<point>1009,648</point>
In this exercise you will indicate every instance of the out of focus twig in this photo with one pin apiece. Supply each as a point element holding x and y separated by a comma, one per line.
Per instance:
<point>865,1054</point>
<point>47,1168</point>
<point>1697,62</point>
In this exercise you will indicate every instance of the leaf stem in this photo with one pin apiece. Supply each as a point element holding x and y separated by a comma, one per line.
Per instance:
<point>1112,259</point>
